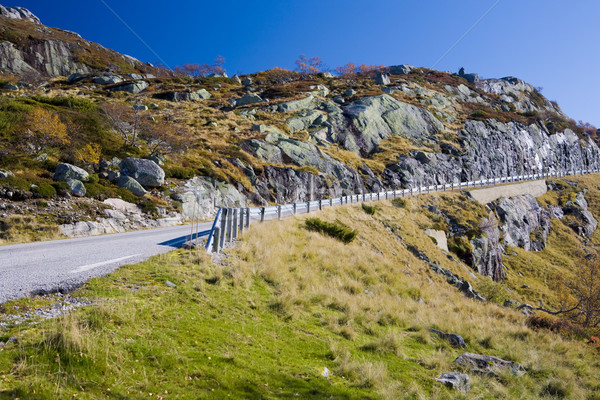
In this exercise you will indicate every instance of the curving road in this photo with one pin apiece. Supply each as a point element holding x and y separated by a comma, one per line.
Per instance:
<point>63,265</point>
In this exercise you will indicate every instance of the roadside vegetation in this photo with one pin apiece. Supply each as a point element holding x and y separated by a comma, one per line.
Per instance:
<point>265,319</point>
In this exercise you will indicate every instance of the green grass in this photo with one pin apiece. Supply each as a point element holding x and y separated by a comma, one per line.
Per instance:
<point>264,324</point>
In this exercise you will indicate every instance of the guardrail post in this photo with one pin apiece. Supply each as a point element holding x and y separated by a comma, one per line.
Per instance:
<point>223,225</point>
<point>363,197</point>
<point>279,212</point>
<point>216,244</point>
<point>307,207</point>
<point>241,220</point>
<point>247,217</point>
<point>294,208</point>
<point>331,202</point>
<point>262,214</point>
<point>320,204</point>
<point>234,219</point>
<point>230,217</point>
<point>378,193</point>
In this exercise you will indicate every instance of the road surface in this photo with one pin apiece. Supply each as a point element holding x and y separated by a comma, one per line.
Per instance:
<point>63,265</point>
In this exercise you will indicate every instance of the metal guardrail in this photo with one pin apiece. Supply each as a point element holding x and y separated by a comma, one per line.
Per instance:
<point>231,221</point>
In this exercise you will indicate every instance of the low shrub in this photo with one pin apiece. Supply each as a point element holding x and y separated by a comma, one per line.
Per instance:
<point>480,114</point>
<point>369,209</point>
<point>179,172</point>
<point>44,190</point>
<point>400,203</point>
<point>336,230</point>
<point>556,389</point>
<point>98,191</point>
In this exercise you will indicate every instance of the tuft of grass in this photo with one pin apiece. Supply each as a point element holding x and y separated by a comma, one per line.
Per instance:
<point>371,210</point>
<point>336,230</point>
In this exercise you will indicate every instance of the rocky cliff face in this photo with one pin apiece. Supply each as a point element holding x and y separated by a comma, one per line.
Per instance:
<point>31,50</point>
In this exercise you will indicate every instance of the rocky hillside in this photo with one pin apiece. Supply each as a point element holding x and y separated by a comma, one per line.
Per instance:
<point>30,50</point>
<point>101,126</point>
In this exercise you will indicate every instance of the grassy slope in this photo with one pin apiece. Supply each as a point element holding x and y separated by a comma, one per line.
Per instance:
<point>263,321</point>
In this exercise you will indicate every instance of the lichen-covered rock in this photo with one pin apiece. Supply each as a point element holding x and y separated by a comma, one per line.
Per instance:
<point>76,186</point>
<point>373,119</point>
<point>454,339</point>
<point>66,171</point>
<point>585,224</point>
<point>146,172</point>
<point>131,184</point>
<point>488,365</point>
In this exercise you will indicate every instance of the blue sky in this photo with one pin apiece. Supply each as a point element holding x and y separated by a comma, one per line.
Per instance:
<point>554,44</point>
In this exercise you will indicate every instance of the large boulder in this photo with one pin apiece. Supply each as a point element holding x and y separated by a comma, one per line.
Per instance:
<point>377,118</point>
<point>131,184</point>
<point>66,171</point>
<point>77,187</point>
<point>145,172</point>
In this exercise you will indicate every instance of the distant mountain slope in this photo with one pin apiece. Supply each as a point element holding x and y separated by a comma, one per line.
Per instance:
<point>31,50</point>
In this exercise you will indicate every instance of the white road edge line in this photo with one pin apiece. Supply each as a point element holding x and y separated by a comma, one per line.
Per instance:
<point>96,265</point>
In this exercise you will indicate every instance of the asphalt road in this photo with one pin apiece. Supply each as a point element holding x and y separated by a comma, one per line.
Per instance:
<point>63,265</point>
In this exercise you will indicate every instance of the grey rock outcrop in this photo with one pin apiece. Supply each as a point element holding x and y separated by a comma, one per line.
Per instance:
<point>524,222</point>
<point>19,13</point>
<point>518,93</point>
<point>487,250</point>
<point>202,197</point>
<point>66,171</point>
<point>373,119</point>
<point>146,172</point>
<point>456,381</point>
<point>6,174</point>
<point>585,223</point>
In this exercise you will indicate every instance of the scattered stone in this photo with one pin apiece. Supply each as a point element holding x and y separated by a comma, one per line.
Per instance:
<point>134,87</point>
<point>139,107</point>
<point>236,79</point>
<point>145,172</point>
<point>203,94</point>
<point>260,128</point>
<point>66,171</point>
<point>247,81</point>
<point>382,79</point>
<point>338,99</point>
<point>349,92</point>
<point>488,365</point>
<point>107,79</point>
<point>248,99</point>
<point>153,106</point>
<point>74,78</point>
<point>6,174</point>
<point>170,284</point>
<point>10,86</point>
<point>456,381</point>
<point>454,339</point>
